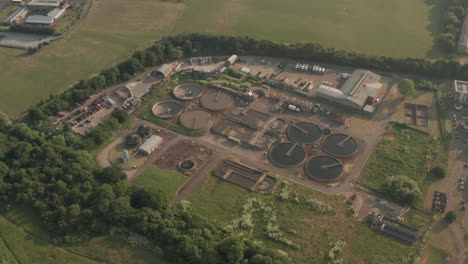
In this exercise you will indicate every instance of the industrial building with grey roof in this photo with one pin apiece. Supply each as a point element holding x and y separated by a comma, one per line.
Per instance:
<point>362,88</point>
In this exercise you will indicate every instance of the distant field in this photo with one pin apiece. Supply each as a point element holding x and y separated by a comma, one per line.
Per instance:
<point>115,28</point>
<point>167,181</point>
<point>312,232</point>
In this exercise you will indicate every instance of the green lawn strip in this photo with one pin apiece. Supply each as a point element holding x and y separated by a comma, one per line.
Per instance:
<point>403,151</point>
<point>30,250</point>
<point>110,249</point>
<point>222,201</point>
<point>437,256</point>
<point>165,180</point>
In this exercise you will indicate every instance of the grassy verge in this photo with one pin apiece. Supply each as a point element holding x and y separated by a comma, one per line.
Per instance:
<point>157,92</point>
<point>311,231</point>
<point>106,249</point>
<point>30,250</point>
<point>403,151</point>
<point>71,16</point>
<point>167,181</point>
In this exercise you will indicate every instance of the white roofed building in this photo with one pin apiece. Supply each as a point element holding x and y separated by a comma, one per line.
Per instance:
<point>150,144</point>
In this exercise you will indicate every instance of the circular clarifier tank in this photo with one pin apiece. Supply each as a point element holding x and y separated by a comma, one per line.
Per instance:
<point>167,109</point>
<point>340,145</point>
<point>304,132</point>
<point>216,101</point>
<point>188,91</point>
<point>323,168</point>
<point>196,119</point>
<point>287,155</point>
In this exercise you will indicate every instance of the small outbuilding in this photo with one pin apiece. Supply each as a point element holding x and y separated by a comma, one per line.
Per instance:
<point>150,144</point>
<point>164,71</point>
<point>231,60</point>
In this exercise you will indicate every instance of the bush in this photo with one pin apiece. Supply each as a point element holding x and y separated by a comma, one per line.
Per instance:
<point>450,217</point>
<point>407,87</point>
<point>438,172</point>
<point>401,189</point>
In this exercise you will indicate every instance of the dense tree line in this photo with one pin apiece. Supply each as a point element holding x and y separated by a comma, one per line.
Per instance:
<point>41,30</point>
<point>49,170</point>
<point>197,44</point>
<point>401,189</point>
<point>453,17</point>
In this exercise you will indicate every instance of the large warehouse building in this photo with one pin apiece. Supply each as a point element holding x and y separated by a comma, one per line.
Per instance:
<point>361,91</point>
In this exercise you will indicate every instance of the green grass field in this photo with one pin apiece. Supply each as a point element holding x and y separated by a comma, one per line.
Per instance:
<point>402,151</point>
<point>104,249</point>
<point>222,202</point>
<point>30,250</point>
<point>167,181</point>
<point>115,28</point>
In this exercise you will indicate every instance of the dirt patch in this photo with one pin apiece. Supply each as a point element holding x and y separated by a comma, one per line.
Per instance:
<point>185,149</point>
<point>390,138</point>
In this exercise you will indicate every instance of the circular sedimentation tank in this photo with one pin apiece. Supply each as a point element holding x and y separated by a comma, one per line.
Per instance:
<point>188,91</point>
<point>340,145</point>
<point>323,168</point>
<point>196,119</point>
<point>216,101</point>
<point>287,155</point>
<point>167,109</point>
<point>304,133</point>
<point>186,165</point>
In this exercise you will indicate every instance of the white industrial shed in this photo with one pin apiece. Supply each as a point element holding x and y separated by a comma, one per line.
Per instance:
<point>151,144</point>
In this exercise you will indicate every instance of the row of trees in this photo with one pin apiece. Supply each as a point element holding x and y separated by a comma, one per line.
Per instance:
<point>197,44</point>
<point>41,30</point>
<point>453,18</point>
<point>49,170</point>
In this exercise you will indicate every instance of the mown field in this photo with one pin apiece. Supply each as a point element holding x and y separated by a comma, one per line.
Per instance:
<point>115,28</point>
<point>311,231</point>
<point>167,181</point>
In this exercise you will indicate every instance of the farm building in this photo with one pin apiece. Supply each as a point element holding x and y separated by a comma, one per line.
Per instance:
<point>39,20</point>
<point>362,88</point>
<point>150,145</point>
<point>43,5</point>
<point>461,92</point>
<point>17,16</point>
<point>56,13</point>
<point>164,71</point>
